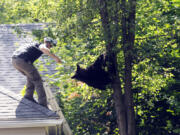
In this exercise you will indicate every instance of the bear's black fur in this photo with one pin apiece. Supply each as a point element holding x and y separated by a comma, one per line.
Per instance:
<point>95,75</point>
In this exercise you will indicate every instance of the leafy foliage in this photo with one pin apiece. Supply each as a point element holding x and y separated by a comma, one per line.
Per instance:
<point>77,27</point>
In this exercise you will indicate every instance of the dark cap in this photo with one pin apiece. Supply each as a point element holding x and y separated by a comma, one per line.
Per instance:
<point>52,41</point>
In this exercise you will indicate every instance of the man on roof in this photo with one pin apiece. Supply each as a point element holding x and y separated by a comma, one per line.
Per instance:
<point>23,59</point>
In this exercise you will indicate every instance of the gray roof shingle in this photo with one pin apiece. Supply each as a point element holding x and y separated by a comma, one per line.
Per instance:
<point>13,107</point>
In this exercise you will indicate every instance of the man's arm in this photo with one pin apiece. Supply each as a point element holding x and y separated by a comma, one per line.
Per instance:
<point>47,51</point>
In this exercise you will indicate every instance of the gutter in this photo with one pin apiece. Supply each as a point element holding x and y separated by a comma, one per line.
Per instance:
<point>29,123</point>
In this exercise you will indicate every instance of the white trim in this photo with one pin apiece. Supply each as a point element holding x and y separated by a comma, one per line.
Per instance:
<point>30,123</point>
<point>55,107</point>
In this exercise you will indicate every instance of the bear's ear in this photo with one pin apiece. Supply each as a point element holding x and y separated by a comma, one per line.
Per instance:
<point>78,67</point>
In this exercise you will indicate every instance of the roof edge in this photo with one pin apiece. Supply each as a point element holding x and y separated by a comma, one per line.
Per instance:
<point>30,123</point>
<point>23,24</point>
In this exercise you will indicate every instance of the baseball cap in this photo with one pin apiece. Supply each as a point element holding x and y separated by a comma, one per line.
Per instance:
<point>49,39</point>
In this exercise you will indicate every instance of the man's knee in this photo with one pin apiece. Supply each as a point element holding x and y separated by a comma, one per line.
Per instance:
<point>34,75</point>
<point>30,86</point>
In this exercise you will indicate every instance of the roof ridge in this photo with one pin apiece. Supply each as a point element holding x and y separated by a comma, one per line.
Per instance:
<point>31,104</point>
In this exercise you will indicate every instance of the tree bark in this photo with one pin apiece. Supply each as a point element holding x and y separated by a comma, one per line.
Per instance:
<point>128,36</point>
<point>125,112</point>
<point>119,106</point>
<point>111,42</point>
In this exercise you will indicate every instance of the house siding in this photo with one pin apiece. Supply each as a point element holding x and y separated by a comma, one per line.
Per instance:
<point>23,131</point>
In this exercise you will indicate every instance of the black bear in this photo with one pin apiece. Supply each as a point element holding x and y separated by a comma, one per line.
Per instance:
<point>94,75</point>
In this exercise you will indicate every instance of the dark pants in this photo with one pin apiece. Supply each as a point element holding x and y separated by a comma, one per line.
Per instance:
<point>34,81</point>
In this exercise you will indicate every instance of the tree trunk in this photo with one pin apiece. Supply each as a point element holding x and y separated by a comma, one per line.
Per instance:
<point>125,112</point>
<point>128,30</point>
<point>119,106</point>
<point>111,42</point>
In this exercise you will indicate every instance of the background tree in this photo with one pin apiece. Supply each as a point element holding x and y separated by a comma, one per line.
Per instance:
<point>86,29</point>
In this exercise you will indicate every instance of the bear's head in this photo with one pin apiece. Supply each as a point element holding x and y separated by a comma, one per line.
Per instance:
<point>80,74</point>
<point>95,77</point>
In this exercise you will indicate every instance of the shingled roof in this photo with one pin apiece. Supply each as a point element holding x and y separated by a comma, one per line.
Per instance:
<point>20,108</point>
<point>17,111</point>
<point>9,42</point>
